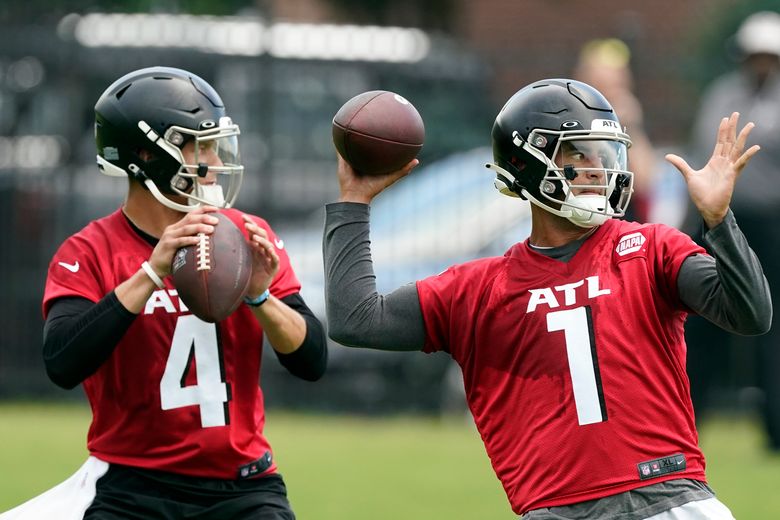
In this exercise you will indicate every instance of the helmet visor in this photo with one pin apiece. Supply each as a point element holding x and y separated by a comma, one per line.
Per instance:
<point>593,173</point>
<point>211,171</point>
<point>598,155</point>
<point>222,147</point>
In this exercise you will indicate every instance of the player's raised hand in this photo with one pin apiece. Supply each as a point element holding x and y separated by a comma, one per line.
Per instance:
<point>363,188</point>
<point>711,187</point>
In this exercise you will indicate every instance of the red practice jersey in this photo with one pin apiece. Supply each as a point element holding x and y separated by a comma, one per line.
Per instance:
<point>574,372</point>
<point>177,394</point>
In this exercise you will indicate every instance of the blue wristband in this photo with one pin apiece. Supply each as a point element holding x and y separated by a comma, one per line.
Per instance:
<point>257,302</point>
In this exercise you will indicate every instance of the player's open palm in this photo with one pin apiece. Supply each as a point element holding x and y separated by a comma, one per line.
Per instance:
<point>265,261</point>
<point>711,187</point>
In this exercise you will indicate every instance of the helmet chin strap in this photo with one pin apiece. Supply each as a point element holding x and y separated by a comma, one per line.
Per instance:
<point>591,210</point>
<point>212,193</point>
<point>165,201</point>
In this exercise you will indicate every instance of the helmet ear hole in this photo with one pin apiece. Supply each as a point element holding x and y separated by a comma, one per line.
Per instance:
<point>144,154</point>
<point>141,163</point>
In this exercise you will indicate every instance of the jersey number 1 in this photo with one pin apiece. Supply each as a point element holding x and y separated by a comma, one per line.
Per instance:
<point>577,327</point>
<point>195,337</point>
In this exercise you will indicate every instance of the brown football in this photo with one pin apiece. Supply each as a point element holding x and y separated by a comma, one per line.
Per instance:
<point>212,277</point>
<point>378,132</point>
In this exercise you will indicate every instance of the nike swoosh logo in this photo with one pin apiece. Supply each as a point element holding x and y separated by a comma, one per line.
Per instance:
<point>73,268</point>
<point>279,243</point>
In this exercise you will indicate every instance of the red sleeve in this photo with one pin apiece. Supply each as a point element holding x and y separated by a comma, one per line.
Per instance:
<point>450,302</point>
<point>73,271</point>
<point>436,297</point>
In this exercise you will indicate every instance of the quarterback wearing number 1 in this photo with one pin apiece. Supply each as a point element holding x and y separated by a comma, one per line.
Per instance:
<point>571,344</point>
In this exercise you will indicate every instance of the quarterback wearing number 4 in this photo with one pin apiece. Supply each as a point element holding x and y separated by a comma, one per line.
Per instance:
<point>571,344</point>
<point>178,417</point>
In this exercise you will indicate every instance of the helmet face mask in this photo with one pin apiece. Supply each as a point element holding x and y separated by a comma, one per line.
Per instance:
<point>590,170</point>
<point>167,129</point>
<point>214,156</point>
<point>558,144</point>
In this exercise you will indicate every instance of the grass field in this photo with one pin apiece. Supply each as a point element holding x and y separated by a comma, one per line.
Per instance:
<point>347,468</point>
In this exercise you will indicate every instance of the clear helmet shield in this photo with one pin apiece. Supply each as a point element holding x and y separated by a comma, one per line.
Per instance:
<point>590,176</point>
<point>211,171</point>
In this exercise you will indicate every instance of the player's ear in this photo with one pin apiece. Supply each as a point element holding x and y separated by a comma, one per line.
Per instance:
<point>145,155</point>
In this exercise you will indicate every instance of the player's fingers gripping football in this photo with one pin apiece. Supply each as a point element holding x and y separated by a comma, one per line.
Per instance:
<point>363,188</point>
<point>180,234</point>
<point>265,260</point>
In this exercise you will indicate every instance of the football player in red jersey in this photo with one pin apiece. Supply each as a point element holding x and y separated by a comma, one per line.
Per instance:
<point>178,416</point>
<point>571,344</point>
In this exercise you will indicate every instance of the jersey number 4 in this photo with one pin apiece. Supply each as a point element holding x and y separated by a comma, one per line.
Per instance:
<point>195,338</point>
<point>577,327</point>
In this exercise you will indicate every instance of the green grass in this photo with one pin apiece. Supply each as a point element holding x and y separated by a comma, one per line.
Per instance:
<point>40,445</point>
<point>743,474</point>
<point>344,468</point>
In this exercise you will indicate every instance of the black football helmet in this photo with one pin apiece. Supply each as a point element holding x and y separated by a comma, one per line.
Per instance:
<point>145,118</point>
<point>538,132</point>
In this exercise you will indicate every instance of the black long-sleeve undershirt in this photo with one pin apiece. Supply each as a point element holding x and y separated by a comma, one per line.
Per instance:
<point>80,335</point>
<point>310,360</point>
<point>728,288</point>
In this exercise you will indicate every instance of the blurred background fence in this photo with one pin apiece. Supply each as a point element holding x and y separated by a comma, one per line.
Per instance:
<point>283,68</point>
